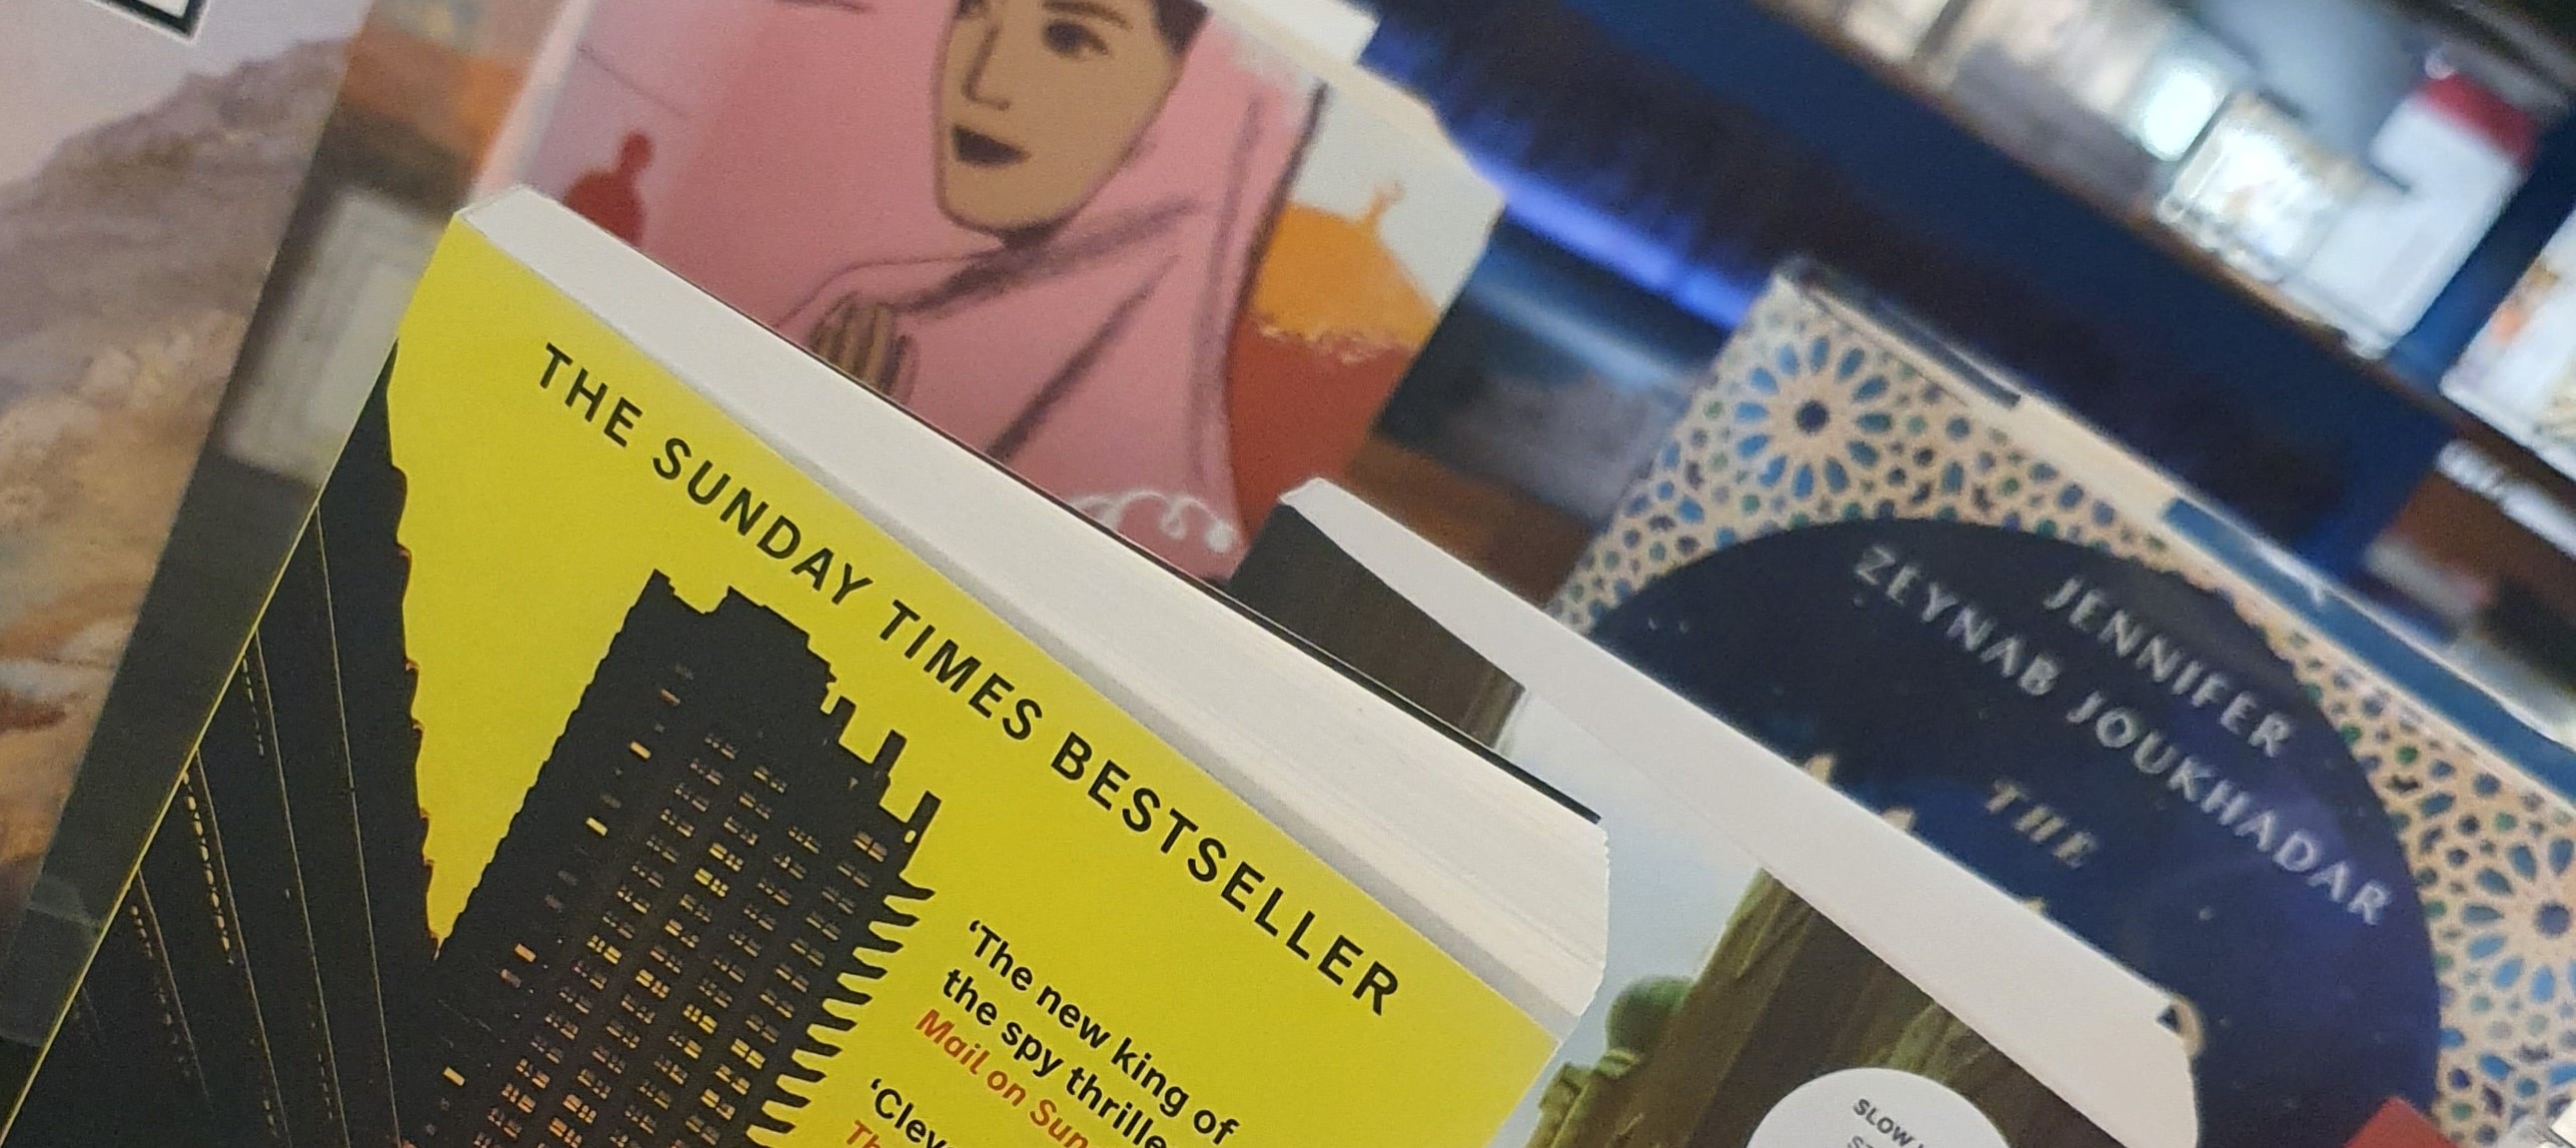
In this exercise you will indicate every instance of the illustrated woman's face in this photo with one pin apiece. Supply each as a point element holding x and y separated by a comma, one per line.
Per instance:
<point>1039,101</point>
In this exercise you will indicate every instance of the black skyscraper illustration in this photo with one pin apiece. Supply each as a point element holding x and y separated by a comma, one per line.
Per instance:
<point>698,866</point>
<point>236,1000</point>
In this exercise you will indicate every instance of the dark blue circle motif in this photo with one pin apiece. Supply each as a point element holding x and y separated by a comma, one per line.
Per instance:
<point>2280,906</point>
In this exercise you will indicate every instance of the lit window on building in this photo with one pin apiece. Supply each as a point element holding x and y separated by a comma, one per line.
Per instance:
<point>637,748</point>
<point>869,845</point>
<point>680,932</point>
<point>697,1014</point>
<point>687,795</point>
<point>732,1078</point>
<point>786,1010</point>
<point>695,908</point>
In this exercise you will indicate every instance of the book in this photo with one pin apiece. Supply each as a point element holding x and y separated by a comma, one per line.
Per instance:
<point>148,166</point>
<point>235,998</point>
<point>2514,373</point>
<point>432,87</point>
<point>1788,968</point>
<point>745,759</point>
<point>1187,287</point>
<point>342,228</point>
<point>1882,557</point>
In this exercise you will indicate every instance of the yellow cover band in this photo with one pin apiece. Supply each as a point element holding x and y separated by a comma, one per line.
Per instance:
<point>1113,948</point>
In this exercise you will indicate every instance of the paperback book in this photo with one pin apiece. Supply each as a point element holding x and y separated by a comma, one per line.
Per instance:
<point>1164,261</point>
<point>696,789</point>
<point>1785,968</point>
<point>1968,611</point>
<point>149,162</point>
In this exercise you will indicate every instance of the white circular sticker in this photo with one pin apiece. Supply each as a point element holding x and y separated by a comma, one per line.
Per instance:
<point>1875,1108</point>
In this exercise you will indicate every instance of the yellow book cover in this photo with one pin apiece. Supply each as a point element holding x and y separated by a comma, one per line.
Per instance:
<point>737,821</point>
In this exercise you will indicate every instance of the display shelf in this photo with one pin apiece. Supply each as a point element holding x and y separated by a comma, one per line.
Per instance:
<point>2387,379</point>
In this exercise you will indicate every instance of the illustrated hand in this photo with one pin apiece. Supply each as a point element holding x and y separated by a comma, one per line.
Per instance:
<point>860,339</point>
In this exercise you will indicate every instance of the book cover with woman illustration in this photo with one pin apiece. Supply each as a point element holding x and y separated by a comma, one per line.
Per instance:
<point>1133,250</point>
<point>2059,679</point>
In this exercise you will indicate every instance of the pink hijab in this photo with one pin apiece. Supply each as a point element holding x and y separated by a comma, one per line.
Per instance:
<point>1093,363</point>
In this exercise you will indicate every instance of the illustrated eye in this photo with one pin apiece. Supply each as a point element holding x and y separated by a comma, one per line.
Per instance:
<point>1072,40</point>
<point>972,7</point>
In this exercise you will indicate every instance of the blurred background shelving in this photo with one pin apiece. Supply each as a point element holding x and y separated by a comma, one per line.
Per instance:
<point>2253,239</point>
